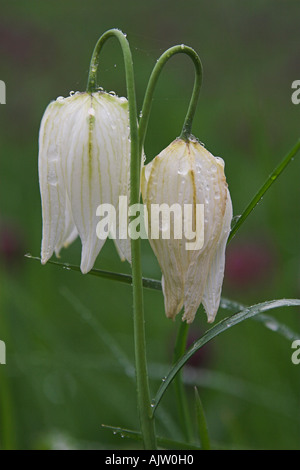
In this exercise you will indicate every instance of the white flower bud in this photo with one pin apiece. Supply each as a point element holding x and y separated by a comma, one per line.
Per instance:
<point>84,161</point>
<point>186,173</point>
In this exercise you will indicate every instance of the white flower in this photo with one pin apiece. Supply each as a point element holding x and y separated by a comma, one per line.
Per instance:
<point>186,173</point>
<point>84,159</point>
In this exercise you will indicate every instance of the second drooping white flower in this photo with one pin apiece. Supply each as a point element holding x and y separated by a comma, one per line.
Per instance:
<point>84,161</point>
<point>186,173</point>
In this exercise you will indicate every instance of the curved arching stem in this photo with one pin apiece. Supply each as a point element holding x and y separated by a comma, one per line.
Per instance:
<point>143,394</point>
<point>185,134</point>
<point>145,113</point>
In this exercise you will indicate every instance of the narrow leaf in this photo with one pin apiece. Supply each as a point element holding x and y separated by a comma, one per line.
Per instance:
<point>162,442</point>
<point>220,327</point>
<point>201,422</point>
<point>155,284</point>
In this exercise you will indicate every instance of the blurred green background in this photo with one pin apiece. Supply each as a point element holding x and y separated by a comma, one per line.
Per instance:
<point>65,375</point>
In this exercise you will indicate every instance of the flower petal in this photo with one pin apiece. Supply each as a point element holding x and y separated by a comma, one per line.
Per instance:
<point>97,165</point>
<point>51,179</point>
<point>213,288</point>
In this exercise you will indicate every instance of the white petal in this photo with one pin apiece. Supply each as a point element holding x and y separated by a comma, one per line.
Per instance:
<point>97,165</point>
<point>212,293</point>
<point>51,179</point>
<point>70,232</point>
<point>186,173</point>
<point>194,286</point>
<point>167,180</point>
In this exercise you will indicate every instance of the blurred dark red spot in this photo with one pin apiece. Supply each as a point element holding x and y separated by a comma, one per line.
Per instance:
<point>11,245</point>
<point>249,264</point>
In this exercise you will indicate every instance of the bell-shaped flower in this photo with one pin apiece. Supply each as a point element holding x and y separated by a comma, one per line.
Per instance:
<point>190,181</point>
<point>84,162</point>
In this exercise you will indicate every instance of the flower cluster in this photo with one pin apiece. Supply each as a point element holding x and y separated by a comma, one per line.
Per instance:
<point>84,161</point>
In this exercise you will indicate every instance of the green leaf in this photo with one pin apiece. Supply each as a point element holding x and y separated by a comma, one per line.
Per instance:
<point>201,422</point>
<point>162,442</point>
<point>154,284</point>
<point>220,327</point>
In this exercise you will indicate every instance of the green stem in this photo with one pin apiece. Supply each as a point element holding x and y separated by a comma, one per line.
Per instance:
<point>145,113</point>
<point>143,394</point>
<point>264,188</point>
<point>182,403</point>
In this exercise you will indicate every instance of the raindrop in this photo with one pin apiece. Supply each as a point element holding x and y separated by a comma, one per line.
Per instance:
<point>220,160</point>
<point>183,171</point>
<point>235,220</point>
<point>52,178</point>
<point>182,46</point>
<point>123,99</point>
<point>60,98</point>
<point>72,93</point>
<point>112,93</point>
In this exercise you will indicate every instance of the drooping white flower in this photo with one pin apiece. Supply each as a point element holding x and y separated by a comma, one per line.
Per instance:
<point>84,161</point>
<point>186,173</point>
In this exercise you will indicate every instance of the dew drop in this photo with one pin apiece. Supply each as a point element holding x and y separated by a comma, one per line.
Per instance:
<point>60,99</point>
<point>235,220</point>
<point>182,46</point>
<point>51,177</point>
<point>72,93</point>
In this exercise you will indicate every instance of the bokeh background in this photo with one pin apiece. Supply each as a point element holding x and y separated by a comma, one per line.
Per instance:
<point>68,336</point>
